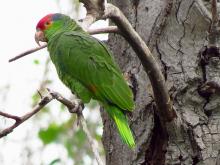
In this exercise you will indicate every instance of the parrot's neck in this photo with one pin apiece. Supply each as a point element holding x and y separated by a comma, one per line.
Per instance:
<point>61,27</point>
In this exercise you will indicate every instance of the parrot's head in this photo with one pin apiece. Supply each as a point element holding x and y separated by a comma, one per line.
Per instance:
<point>53,23</point>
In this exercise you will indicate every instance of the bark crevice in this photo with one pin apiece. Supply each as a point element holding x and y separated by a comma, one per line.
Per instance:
<point>175,34</point>
<point>155,154</point>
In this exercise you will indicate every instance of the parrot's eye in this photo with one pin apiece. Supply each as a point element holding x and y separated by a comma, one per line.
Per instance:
<point>47,23</point>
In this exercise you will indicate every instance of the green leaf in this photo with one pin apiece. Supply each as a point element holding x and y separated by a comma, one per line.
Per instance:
<point>62,107</point>
<point>55,161</point>
<point>36,62</point>
<point>50,134</point>
<point>76,144</point>
<point>69,147</point>
<point>80,137</point>
<point>48,81</point>
<point>98,137</point>
<point>35,98</point>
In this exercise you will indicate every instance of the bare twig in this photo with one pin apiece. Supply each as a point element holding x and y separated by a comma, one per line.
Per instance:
<point>27,52</point>
<point>95,10</point>
<point>19,120</point>
<point>69,104</point>
<point>43,102</point>
<point>90,139</point>
<point>39,94</point>
<point>110,29</point>
<point>149,63</point>
<point>73,108</point>
<point>16,118</point>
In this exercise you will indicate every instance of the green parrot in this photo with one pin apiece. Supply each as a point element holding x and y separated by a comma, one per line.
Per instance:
<point>86,67</point>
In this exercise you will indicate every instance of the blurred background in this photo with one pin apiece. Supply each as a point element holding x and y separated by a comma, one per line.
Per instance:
<point>51,137</point>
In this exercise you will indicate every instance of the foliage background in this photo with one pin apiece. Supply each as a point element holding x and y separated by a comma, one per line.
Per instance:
<point>52,136</point>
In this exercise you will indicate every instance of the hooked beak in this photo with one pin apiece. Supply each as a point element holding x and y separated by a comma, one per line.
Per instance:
<point>39,36</point>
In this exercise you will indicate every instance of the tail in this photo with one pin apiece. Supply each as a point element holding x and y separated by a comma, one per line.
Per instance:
<point>122,125</point>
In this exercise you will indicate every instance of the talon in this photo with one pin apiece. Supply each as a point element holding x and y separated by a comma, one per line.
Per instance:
<point>77,108</point>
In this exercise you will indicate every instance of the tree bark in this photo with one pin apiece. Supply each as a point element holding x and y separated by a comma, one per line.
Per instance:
<point>175,31</point>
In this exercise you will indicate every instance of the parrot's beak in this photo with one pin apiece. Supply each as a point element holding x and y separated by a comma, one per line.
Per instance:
<point>39,36</point>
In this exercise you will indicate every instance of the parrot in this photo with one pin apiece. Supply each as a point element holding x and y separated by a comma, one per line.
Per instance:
<point>87,67</point>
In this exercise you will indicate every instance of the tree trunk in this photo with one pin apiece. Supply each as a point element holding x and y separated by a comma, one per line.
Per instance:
<point>175,31</point>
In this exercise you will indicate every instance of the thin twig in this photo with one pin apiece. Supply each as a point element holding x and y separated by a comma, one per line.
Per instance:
<point>77,109</point>
<point>39,94</point>
<point>73,108</point>
<point>27,52</point>
<point>19,120</point>
<point>90,139</point>
<point>110,29</point>
<point>43,102</point>
<point>69,104</point>
<point>16,118</point>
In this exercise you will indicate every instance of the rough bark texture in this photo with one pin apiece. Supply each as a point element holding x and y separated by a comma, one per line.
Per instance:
<point>176,31</point>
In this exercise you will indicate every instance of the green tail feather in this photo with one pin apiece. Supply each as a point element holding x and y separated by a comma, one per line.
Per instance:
<point>122,125</point>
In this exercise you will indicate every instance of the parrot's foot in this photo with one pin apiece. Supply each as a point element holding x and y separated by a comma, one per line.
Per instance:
<point>73,107</point>
<point>79,106</point>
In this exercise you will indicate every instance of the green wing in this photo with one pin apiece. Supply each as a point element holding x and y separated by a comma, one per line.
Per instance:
<point>88,61</point>
<point>80,90</point>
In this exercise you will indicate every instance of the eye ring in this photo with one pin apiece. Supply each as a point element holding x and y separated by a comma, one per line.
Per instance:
<point>47,23</point>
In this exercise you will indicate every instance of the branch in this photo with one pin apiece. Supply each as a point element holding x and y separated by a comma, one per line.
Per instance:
<point>27,52</point>
<point>90,139</point>
<point>19,120</point>
<point>149,63</point>
<point>16,118</point>
<point>95,10</point>
<point>110,29</point>
<point>73,108</point>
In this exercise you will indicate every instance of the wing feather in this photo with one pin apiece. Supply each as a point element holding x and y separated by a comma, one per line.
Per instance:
<point>89,61</point>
